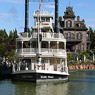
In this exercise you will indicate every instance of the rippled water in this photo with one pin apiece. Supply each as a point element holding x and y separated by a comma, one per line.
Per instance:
<point>80,83</point>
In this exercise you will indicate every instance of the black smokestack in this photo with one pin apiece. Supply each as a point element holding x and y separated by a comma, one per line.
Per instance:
<point>26,15</point>
<point>56,16</point>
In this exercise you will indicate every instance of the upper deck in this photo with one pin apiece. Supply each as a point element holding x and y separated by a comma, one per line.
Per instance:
<point>43,18</point>
<point>46,36</point>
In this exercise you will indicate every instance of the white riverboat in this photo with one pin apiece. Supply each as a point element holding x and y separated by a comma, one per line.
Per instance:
<point>41,54</point>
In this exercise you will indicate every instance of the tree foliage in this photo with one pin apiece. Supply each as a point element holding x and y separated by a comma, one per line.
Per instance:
<point>3,35</point>
<point>92,38</point>
<point>7,43</point>
<point>2,49</point>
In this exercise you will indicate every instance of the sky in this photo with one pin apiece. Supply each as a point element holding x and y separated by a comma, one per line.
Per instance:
<point>12,12</point>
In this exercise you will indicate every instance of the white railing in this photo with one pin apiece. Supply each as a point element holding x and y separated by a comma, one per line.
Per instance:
<point>49,35</point>
<point>45,35</point>
<point>43,51</point>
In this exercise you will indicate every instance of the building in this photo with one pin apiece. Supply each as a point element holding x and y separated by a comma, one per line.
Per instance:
<point>75,32</point>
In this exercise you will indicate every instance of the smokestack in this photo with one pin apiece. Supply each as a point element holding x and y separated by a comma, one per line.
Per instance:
<point>56,16</point>
<point>26,15</point>
<point>60,18</point>
<point>78,18</point>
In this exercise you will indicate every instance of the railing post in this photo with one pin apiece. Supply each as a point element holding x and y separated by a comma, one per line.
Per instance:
<point>31,63</point>
<point>57,46</point>
<point>49,45</point>
<point>30,46</point>
<point>22,47</point>
<point>13,67</point>
<point>16,46</point>
<point>19,66</point>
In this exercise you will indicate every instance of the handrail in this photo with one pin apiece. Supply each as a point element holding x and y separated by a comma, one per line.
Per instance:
<point>43,50</point>
<point>44,35</point>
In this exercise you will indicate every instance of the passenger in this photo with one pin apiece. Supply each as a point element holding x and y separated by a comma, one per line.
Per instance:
<point>26,68</point>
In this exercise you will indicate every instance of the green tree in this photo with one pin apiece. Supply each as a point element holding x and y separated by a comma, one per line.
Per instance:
<point>2,49</point>
<point>3,35</point>
<point>15,34</point>
<point>70,56</point>
<point>11,37</point>
<point>81,55</point>
<point>92,38</point>
<point>11,55</point>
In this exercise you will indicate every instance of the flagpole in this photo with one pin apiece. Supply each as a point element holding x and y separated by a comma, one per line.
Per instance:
<point>39,42</point>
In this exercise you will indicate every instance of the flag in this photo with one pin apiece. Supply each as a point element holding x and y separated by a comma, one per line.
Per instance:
<point>40,8</point>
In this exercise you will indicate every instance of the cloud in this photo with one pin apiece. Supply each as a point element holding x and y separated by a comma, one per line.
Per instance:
<point>90,20</point>
<point>21,27</point>
<point>82,5</point>
<point>14,13</point>
<point>13,1</point>
<point>49,6</point>
<point>5,15</point>
<point>91,25</point>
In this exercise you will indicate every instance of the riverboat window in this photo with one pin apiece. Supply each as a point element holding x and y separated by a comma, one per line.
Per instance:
<point>47,19</point>
<point>78,24</point>
<point>26,44</point>
<point>43,19</point>
<point>19,45</point>
<point>61,45</point>
<point>43,45</point>
<point>43,61</point>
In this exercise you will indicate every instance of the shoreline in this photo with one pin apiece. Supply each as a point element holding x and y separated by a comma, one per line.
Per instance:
<point>82,67</point>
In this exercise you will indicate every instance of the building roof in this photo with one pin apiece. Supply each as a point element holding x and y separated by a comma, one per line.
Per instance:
<point>78,25</point>
<point>69,13</point>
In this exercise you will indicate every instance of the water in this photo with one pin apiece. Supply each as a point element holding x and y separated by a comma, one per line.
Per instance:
<point>80,83</point>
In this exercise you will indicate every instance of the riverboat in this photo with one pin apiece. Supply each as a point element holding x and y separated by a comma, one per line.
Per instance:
<point>41,54</point>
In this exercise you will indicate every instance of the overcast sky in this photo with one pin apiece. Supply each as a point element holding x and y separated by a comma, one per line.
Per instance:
<point>12,12</point>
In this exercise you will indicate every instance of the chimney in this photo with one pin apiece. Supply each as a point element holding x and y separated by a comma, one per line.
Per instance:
<point>78,18</point>
<point>26,15</point>
<point>60,18</point>
<point>56,16</point>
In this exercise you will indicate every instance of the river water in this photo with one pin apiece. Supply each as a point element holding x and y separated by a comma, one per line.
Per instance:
<point>80,83</point>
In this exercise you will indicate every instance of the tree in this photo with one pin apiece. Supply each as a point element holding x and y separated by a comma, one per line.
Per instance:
<point>2,49</point>
<point>92,38</point>
<point>3,35</point>
<point>15,34</point>
<point>11,55</point>
<point>11,37</point>
<point>81,55</point>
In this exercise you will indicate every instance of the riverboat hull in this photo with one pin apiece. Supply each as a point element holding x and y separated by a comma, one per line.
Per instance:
<point>36,76</point>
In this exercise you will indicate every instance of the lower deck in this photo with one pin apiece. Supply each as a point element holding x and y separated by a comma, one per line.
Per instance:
<point>48,64</point>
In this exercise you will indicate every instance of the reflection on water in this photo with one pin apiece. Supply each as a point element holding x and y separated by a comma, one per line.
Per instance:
<point>41,89</point>
<point>80,83</point>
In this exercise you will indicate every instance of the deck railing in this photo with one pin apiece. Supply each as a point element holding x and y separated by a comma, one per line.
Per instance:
<point>43,51</point>
<point>44,35</point>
